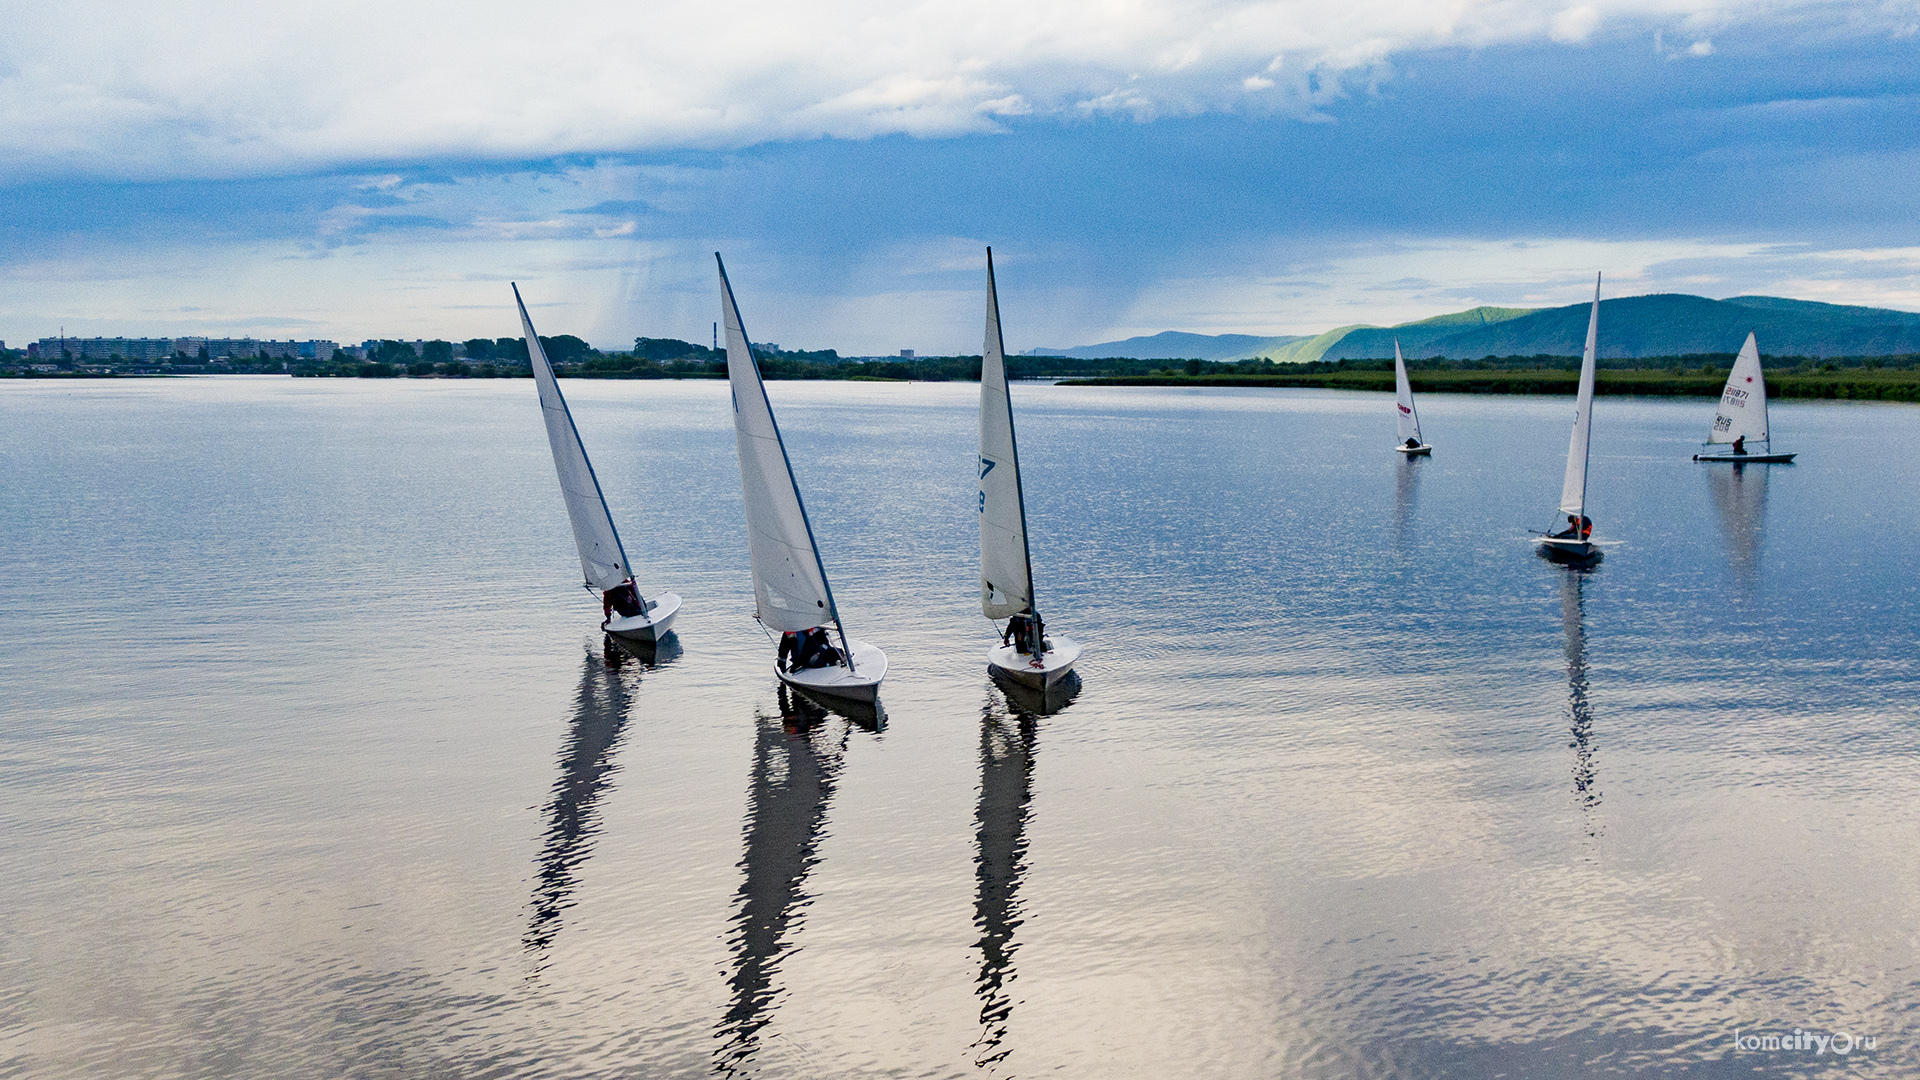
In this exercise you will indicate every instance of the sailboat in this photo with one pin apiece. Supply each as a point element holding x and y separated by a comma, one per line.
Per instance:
<point>603,562</point>
<point>1743,412</point>
<point>790,590</point>
<point>1410,442</point>
<point>1026,653</point>
<point>1576,543</point>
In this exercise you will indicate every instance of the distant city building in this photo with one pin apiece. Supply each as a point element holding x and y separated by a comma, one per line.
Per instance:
<point>906,354</point>
<point>105,348</point>
<point>162,349</point>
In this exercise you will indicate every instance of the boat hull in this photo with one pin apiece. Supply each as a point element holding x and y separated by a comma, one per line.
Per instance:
<point>1748,459</point>
<point>861,684</point>
<point>1423,450</point>
<point>1040,673</point>
<point>1561,549</point>
<point>649,626</point>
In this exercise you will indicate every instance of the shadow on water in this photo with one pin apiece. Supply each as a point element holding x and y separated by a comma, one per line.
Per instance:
<point>586,770</point>
<point>796,761</point>
<point>1586,789</point>
<point>1740,496</point>
<point>1006,788</point>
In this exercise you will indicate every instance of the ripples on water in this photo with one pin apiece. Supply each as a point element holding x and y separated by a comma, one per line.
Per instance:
<point>313,763</point>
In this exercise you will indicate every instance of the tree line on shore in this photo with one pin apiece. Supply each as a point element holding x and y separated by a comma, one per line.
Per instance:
<point>1896,377</point>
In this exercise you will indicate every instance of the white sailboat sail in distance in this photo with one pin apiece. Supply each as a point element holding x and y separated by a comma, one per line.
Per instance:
<point>1573,490</point>
<point>603,560</point>
<point>1742,416</point>
<point>1575,542</point>
<point>1027,653</point>
<point>1410,441</point>
<point>790,589</point>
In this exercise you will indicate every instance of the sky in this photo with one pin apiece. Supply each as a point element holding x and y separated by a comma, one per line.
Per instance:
<point>348,170</point>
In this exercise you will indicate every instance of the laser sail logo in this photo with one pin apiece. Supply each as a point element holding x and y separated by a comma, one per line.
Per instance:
<point>1839,1043</point>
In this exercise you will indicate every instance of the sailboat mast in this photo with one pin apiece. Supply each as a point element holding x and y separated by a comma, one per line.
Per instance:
<point>1013,441</point>
<point>537,355</point>
<point>1588,375</point>
<point>732,311</point>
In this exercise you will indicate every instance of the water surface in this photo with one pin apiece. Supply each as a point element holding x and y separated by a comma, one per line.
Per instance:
<point>313,762</point>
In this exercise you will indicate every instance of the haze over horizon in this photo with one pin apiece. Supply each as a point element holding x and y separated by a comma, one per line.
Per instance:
<point>1268,169</point>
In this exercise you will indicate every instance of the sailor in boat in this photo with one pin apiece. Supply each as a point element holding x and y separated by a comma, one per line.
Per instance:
<point>1026,634</point>
<point>1739,444</point>
<point>623,598</point>
<point>1413,443</point>
<point>1578,528</point>
<point>806,649</point>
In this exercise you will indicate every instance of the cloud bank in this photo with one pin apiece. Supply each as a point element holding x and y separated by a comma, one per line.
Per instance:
<point>143,90</point>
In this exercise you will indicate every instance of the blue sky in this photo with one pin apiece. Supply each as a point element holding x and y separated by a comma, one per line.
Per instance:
<point>348,170</point>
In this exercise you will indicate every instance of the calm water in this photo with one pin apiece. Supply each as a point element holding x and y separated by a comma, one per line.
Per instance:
<point>313,764</point>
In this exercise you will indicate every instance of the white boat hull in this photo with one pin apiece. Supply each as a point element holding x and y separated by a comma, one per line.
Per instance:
<point>1039,672</point>
<point>861,683</point>
<point>1423,450</point>
<point>1567,550</point>
<point>1749,459</point>
<point>648,626</point>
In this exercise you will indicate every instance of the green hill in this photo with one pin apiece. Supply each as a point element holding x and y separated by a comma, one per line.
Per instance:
<point>1662,324</point>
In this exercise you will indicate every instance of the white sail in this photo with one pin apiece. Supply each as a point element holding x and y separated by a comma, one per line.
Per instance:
<point>1743,404</point>
<point>1403,398</point>
<point>1006,569</point>
<point>789,584</point>
<point>1573,493</point>
<point>602,560</point>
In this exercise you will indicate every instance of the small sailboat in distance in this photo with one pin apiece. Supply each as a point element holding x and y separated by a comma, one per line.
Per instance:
<point>1575,542</point>
<point>1410,442</point>
<point>1743,413</point>
<point>603,561</point>
<point>1026,653</point>
<point>790,590</point>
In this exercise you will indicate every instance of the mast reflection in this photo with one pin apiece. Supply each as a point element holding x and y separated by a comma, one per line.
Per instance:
<point>586,769</point>
<point>1573,618</point>
<point>1006,790</point>
<point>795,765</point>
<point>1740,496</point>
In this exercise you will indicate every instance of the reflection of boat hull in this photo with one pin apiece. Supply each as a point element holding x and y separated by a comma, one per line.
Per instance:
<point>1024,698</point>
<point>1423,450</point>
<point>1749,459</point>
<point>1037,672</point>
<point>861,683</point>
<point>649,626</point>
<point>1562,549</point>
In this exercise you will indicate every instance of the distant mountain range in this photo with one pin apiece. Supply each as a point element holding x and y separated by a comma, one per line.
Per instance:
<point>1176,345</point>
<point>1663,324</point>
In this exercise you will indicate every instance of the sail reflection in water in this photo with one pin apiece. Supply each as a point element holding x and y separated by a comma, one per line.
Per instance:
<point>586,770</point>
<point>1586,789</point>
<point>1406,485</point>
<point>796,761</point>
<point>1006,788</point>
<point>1740,496</point>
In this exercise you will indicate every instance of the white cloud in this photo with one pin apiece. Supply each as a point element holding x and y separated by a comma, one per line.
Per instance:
<point>1575,25</point>
<point>138,88</point>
